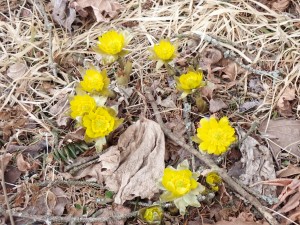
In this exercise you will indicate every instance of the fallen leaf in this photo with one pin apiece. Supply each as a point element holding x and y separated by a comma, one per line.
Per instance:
<point>231,69</point>
<point>59,111</point>
<point>216,105</point>
<point>167,102</point>
<point>17,70</point>
<point>4,160</point>
<point>290,170</point>
<point>280,5</point>
<point>211,56</point>
<point>282,134</point>
<point>61,201</point>
<point>208,89</point>
<point>62,14</point>
<point>104,10</point>
<point>258,165</point>
<point>249,105</point>
<point>283,105</point>
<point>255,85</point>
<point>113,211</point>
<point>22,165</point>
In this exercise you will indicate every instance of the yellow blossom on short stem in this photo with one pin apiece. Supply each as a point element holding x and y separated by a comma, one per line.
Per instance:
<point>111,45</point>
<point>180,185</point>
<point>213,180</point>
<point>190,81</point>
<point>100,122</point>
<point>95,82</point>
<point>151,215</point>
<point>81,104</point>
<point>164,52</point>
<point>213,136</point>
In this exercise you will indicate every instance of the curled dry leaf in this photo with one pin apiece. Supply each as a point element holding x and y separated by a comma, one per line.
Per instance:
<point>104,10</point>
<point>211,56</point>
<point>4,160</point>
<point>132,167</point>
<point>63,14</point>
<point>113,211</point>
<point>22,165</point>
<point>61,201</point>
<point>257,165</point>
<point>231,69</point>
<point>216,105</point>
<point>17,70</point>
<point>290,170</point>
<point>282,134</point>
<point>283,105</point>
<point>280,5</point>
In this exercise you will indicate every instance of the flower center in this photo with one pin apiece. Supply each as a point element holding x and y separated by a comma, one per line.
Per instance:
<point>100,124</point>
<point>164,50</point>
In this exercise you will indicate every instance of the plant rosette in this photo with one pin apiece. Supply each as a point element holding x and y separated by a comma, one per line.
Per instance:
<point>180,186</point>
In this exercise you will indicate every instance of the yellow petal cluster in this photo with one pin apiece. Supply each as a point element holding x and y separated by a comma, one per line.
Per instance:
<point>95,81</point>
<point>189,81</point>
<point>100,122</point>
<point>164,50</point>
<point>214,180</point>
<point>215,136</point>
<point>111,45</point>
<point>180,185</point>
<point>153,214</point>
<point>178,182</point>
<point>81,104</point>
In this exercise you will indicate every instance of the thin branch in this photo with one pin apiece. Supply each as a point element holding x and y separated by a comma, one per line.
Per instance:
<point>210,163</point>
<point>69,183</point>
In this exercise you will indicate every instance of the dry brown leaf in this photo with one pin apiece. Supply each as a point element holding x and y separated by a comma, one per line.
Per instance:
<point>62,14</point>
<point>207,90</point>
<point>211,56</point>
<point>133,167</point>
<point>17,70</point>
<point>283,105</point>
<point>290,170</point>
<point>231,69</point>
<point>22,164</point>
<point>104,10</point>
<point>283,133</point>
<point>61,201</point>
<point>167,102</point>
<point>59,111</point>
<point>249,105</point>
<point>280,5</point>
<point>4,160</point>
<point>216,105</point>
<point>257,164</point>
<point>113,211</point>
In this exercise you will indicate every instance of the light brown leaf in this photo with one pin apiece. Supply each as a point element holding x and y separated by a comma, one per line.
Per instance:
<point>4,160</point>
<point>62,14</point>
<point>104,10</point>
<point>61,201</point>
<point>231,69</point>
<point>17,70</point>
<point>22,164</point>
<point>113,211</point>
<point>282,134</point>
<point>290,170</point>
<point>280,5</point>
<point>291,204</point>
<point>208,89</point>
<point>216,105</point>
<point>283,105</point>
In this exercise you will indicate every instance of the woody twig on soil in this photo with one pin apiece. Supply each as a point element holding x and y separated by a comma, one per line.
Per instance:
<point>210,163</point>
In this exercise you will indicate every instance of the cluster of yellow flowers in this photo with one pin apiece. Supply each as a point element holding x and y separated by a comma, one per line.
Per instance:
<point>88,108</point>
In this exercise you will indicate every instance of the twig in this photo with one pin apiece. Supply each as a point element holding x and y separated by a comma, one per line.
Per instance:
<point>210,163</point>
<point>69,183</point>
<point>60,219</point>
<point>231,55</point>
<point>48,26</point>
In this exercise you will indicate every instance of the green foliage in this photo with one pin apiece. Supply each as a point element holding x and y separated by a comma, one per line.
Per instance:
<point>70,152</point>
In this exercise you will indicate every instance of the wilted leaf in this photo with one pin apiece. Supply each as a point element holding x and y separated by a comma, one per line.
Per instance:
<point>113,211</point>
<point>257,164</point>
<point>280,5</point>
<point>216,105</point>
<point>231,69</point>
<point>59,111</point>
<point>62,14</point>
<point>17,70</point>
<point>22,164</point>
<point>4,160</point>
<point>290,170</point>
<point>61,201</point>
<point>211,56</point>
<point>207,90</point>
<point>167,102</point>
<point>282,134</point>
<point>104,10</point>
<point>283,104</point>
<point>249,105</point>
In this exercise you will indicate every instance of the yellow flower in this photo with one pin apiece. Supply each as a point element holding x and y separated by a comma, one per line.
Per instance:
<point>178,182</point>
<point>81,104</point>
<point>163,52</point>
<point>180,185</point>
<point>213,179</point>
<point>95,82</point>
<point>111,45</point>
<point>152,215</point>
<point>189,81</point>
<point>215,136</point>
<point>100,122</point>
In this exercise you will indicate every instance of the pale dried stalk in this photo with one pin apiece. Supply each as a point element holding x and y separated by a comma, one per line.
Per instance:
<point>211,164</point>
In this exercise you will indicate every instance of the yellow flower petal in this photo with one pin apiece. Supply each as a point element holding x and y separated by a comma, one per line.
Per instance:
<point>95,81</point>
<point>81,104</point>
<point>164,51</point>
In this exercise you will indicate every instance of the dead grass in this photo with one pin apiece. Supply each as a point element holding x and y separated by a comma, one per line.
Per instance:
<point>259,36</point>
